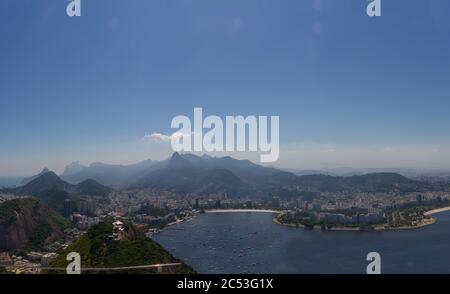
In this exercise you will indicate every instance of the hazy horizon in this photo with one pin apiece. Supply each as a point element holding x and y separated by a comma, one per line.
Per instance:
<point>338,168</point>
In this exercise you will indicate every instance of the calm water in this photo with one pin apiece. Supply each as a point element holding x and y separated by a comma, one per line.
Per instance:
<point>252,243</point>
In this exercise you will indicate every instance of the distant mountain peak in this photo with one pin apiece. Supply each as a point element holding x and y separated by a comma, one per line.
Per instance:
<point>178,162</point>
<point>73,168</point>
<point>49,175</point>
<point>49,184</point>
<point>92,187</point>
<point>107,174</point>
<point>48,178</point>
<point>40,183</point>
<point>29,179</point>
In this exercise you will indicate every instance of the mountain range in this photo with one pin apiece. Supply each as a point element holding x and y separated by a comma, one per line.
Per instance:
<point>51,189</point>
<point>183,174</point>
<point>51,181</point>
<point>348,171</point>
<point>189,173</point>
<point>107,174</point>
<point>205,174</point>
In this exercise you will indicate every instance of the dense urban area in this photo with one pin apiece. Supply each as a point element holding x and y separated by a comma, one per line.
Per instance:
<point>75,209</point>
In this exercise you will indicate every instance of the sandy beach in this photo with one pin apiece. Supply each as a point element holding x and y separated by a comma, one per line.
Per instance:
<point>437,210</point>
<point>241,210</point>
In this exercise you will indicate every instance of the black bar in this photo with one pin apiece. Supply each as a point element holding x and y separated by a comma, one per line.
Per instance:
<point>150,283</point>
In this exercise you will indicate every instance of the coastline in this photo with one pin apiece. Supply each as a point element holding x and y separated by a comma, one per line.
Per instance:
<point>378,228</point>
<point>437,210</point>
<point>357,229</point>
<point>241,210</point>
<point>175,223</point>
<point>180,221</point>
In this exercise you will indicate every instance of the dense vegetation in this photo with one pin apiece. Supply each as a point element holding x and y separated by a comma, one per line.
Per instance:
<point>55,198</point>
<point>46,230</point>
<point>91,187</point>
<point>97,249</point>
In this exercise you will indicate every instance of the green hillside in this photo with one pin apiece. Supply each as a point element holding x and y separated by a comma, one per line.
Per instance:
<point>98,250</point>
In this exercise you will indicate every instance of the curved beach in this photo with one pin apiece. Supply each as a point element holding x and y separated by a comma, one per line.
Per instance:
<point>241,210</point>
<point>437,210</point>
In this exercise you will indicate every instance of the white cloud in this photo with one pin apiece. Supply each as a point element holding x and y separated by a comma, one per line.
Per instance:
<point>164,138</point>
<point>157,137</point>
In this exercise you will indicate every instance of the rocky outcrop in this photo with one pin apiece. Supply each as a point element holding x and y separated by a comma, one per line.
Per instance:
<point>28,222</point>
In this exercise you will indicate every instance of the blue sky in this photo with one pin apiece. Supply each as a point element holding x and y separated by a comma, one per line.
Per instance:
<point>350,90</point>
